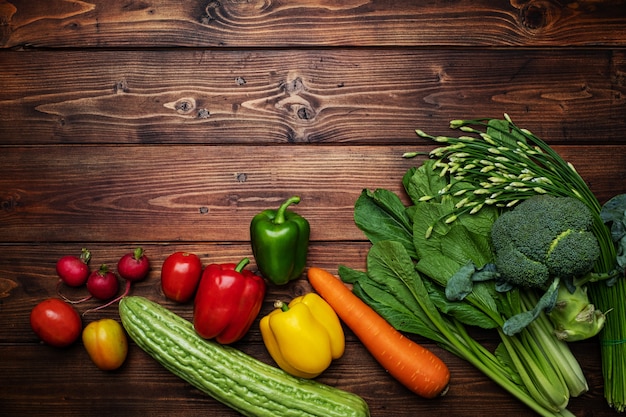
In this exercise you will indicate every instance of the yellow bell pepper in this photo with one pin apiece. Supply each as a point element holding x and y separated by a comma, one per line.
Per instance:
<point>303,337</point>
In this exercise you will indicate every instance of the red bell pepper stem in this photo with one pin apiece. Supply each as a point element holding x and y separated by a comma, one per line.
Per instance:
<point>242,264</point>
<point>280,213</point>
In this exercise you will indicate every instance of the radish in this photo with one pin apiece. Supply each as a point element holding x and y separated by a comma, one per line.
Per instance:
<point>74,270</point>
<point>102,284</point>
<point>132,267</point>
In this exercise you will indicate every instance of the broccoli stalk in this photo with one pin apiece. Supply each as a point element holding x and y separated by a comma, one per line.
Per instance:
<point>574,317</point>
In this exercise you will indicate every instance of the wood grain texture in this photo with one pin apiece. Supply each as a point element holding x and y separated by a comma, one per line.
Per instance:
<point>210,193</point>
<point>168,124</point>
<point>374,96</point>
<point>272,23</point>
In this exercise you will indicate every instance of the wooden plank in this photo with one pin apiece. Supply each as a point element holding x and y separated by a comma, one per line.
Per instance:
<point>166,23</point>
<point>210,193</point>
<point>375,96</point>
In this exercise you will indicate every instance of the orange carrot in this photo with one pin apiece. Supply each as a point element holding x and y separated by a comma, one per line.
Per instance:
<point>416,367</point>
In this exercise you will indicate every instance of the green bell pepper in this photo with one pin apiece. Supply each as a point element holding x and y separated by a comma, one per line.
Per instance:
<point>280,242</point>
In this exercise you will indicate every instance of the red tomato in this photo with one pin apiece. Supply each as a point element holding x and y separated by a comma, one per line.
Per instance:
<point>56,322</point>
<point>106,344</point>
<point>180,275</point>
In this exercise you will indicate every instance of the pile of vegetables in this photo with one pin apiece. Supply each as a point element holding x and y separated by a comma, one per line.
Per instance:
<point>57,323</point>
<point>500,234</point>
<point>433,270</point>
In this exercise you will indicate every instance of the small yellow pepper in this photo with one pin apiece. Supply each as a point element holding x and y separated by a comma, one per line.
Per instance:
<point>106,343</point>
<point>303,337</point>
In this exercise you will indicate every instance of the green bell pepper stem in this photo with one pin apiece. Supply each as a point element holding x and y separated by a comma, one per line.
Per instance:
<point>280,213</point>
<point>242,264</point>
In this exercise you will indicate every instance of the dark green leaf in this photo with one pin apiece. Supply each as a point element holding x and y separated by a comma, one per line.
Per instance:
<point>389,263</point>
<point>460,283</point>
<point>516,323</point>
<point>350,275</point>
<point>464,312</point>
<point>501,130</point>
<point>614,210</point>
<point>423,181</point>
<point>401,318</point>
<point>381,215</point>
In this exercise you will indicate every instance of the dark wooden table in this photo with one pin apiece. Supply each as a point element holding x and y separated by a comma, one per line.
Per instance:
<point>169,124</point>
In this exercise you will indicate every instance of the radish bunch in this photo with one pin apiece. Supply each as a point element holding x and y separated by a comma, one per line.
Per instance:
<point>102,284</point>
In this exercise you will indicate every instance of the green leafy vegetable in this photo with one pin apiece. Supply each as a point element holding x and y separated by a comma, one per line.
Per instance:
<point>431,267</point>
<point>501,165</point>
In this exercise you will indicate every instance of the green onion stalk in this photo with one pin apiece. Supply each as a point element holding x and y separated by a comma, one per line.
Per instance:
<point>505,165</point>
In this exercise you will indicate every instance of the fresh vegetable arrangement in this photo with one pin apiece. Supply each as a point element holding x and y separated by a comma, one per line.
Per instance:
<point>500,233</point>
<point>56,322</point>
<point>433,270</point>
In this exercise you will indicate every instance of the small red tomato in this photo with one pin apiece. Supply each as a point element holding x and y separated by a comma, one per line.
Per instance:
<point>56,322</point>
<point>106,343</point>
<point>103,284</point>
<point>74,270</point>
<point>180,275</point>
<point>133,266</point>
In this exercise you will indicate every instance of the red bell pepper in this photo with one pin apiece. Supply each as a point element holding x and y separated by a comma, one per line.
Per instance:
<point>228,300</point>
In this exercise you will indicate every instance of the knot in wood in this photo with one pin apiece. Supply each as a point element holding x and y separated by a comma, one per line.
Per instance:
<point>10,202</point>
<point>305,113</point>
<point>203,114</point>
<point>184,105</point>
<point>296,101</point>
<point>211,12</point>
<point>121,87</point>
<point>538,15</point>
<point>294,86</point>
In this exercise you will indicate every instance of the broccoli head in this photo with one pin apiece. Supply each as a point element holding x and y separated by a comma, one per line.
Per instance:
<point>544,237</point>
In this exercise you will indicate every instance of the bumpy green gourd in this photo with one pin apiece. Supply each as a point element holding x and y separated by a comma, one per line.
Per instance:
<point>232,377</point>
